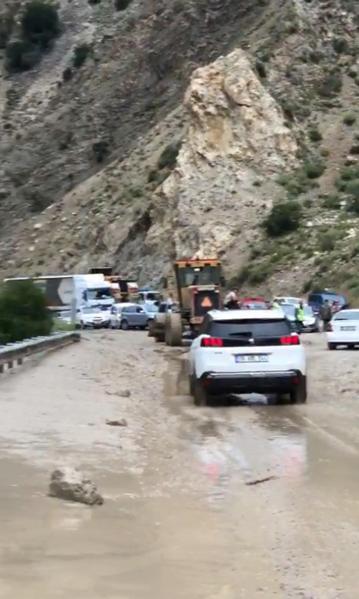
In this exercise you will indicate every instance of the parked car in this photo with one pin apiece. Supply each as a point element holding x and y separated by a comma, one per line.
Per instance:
<point>151,308</point>
<point>344,329</point>
<point>317,299</point>
<point>129,316</point>
<point>240,351</point>
<point>311,321</point>
<point>93,317</point>
<point>253,303</point>
<point>149,295</point>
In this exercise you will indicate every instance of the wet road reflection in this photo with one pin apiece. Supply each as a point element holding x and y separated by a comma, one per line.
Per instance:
<point>238,440</point>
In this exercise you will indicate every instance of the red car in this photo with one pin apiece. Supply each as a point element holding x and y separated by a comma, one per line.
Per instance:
<point>253,303</point>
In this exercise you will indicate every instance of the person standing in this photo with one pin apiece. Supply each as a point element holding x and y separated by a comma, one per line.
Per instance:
<point>299,317</point>
<point>326,314</point>
<point>231,301</point>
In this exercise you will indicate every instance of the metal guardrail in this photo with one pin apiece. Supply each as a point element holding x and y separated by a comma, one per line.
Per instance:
<point>13,354</point>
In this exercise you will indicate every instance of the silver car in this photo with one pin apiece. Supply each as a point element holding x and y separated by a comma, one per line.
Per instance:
<point>129,316</point>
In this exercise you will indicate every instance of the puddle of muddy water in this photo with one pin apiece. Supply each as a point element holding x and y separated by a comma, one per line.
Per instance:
<point>236,440</point>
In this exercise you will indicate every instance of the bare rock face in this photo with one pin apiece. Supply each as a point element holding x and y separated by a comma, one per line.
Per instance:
<point>236,144</point>
<point>69,484</point>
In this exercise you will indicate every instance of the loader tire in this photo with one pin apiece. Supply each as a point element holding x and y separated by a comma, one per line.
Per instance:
<point>173,333</point>
<point>158,327</point>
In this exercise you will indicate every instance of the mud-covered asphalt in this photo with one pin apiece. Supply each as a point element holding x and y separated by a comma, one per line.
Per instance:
<point>179,520</point>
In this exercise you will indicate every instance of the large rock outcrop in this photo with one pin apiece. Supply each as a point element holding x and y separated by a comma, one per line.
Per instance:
<point>237,142</point>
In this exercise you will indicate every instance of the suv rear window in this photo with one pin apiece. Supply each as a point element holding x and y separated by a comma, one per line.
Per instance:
<point>250,327</point>
<point>352,315</point>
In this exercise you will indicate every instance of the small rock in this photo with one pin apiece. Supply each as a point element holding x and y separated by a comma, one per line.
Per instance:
<point>125,393</point>
<point>71,485</point>
<point>122,422</point>
<point>37,225</point>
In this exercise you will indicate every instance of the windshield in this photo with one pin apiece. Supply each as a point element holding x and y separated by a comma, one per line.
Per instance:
<point>151,308</point>
<point>288,309</point>
<point>201,275</point>
<point>99,293</point>
<point>92,310</point>
<point>308,311</point>
<point>254,305</point>
<point>251,327</point>
<point>347,315</point>
<point>152,296</point>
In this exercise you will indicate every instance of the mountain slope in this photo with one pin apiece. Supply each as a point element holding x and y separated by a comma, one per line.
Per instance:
<point>91,149</point>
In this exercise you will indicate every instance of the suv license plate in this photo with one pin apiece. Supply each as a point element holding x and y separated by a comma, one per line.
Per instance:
<point>251,358</point>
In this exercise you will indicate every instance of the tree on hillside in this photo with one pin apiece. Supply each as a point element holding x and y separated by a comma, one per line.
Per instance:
<point>40,23</point>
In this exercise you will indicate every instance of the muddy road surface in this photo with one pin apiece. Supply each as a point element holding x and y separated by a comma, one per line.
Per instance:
<point>179,519</point>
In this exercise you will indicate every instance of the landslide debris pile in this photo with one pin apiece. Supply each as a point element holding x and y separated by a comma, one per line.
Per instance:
<point>172,127</point>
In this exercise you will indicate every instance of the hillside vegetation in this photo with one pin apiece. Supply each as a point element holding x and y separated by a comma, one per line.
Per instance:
<point>117,150</point>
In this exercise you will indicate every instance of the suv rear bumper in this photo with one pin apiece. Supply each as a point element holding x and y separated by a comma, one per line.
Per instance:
<point>217,383</point>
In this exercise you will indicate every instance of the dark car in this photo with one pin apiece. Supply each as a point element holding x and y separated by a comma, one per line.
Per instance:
<point>317,298</point>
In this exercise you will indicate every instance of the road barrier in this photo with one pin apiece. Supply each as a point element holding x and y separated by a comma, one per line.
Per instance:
<point>13,354</point>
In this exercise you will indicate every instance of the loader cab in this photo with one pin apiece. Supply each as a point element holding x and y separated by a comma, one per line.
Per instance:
<point>198,285</point>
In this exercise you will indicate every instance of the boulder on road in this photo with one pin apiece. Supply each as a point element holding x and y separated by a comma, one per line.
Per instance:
<point>71,485</point>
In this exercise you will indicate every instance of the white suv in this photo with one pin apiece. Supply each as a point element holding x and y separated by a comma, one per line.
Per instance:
<point>242,351</point>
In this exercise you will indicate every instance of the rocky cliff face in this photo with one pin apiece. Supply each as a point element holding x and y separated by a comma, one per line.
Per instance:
<point>235,144</point>
<point>91,172</point>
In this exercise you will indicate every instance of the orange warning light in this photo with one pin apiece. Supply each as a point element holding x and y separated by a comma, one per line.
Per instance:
<point>206,302</point>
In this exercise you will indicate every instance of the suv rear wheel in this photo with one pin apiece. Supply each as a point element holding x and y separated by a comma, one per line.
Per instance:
<point>299,393</point>
<point>200,395</point>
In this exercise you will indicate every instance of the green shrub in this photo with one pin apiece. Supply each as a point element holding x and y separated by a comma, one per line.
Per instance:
<point>332,202</point>
<point>80,55</point>
<point>100,150</point>
<point>315,135</point>
<point>349,119</point>
<point>327,242</point>
<point>21,56</point>
<point>23,312</point>
<point>122,4</point>
<point>295,183</point>
<point>313,170</point>
<point>353,191</point>
<point>340,45</point>
<point>354,149</point>
<point>67,74</point>
<point>40,23</point>
<point>324,152</point>
<point>261,69</point>
<point>283,218</point>
<point>331,85</point>
<point>169,155</point>
<point>349,173</point>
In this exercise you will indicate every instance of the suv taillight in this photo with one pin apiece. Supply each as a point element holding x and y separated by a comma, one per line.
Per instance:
<point>211,342</point>
<point>290,340</point>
